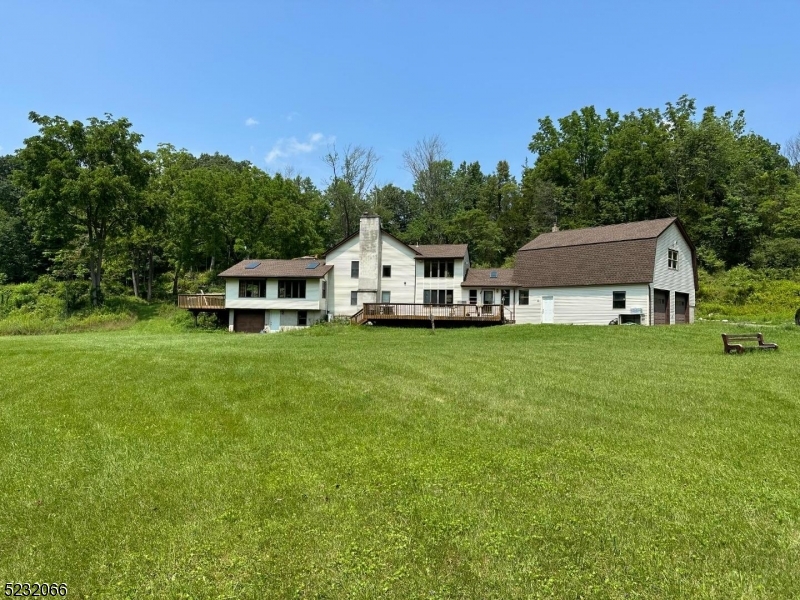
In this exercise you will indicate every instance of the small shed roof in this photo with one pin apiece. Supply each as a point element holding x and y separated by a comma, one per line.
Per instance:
<point>441,250</point>
<point>483,278</point>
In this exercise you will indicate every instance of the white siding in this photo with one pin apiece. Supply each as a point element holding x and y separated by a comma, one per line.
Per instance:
<point>402,282</point>
<point>312,300</point>
<point>587,305</point>
<point>440,283</point>
<point>680,280</point>
<point>340,284</point>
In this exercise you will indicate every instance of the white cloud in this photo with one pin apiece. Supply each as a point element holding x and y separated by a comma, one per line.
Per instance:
<point>286,147</point>
<point>292,115</point>
<point>251,122</point>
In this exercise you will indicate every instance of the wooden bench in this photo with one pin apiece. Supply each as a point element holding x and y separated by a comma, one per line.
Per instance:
<point>745,342</point>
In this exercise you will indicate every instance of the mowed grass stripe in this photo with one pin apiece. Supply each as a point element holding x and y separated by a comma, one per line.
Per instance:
<point>529,461</point>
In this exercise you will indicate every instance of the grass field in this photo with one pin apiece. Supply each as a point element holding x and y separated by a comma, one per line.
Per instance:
<point>513,462</point>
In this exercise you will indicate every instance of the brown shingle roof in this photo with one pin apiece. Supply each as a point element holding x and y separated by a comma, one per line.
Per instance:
<point>629,261</point>
<point>640,230</point>
<point>483,278</point>
<point>278,268</point>
<point>441,250</point>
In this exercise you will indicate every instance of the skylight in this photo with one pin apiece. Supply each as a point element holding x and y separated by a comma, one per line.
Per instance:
<point>493,274</point>
<point>252,265</point>
<point>312,265</point>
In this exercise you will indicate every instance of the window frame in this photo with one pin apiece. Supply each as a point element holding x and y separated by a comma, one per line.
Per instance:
<point>616,302</point>
<point>246,284</point>
<point>304,314</point>
<point>324,290</point>
<point>353,298</point>
<point>524,297</point>
<point>354,269</point>
<point>438,297</point>
<point>473,297</point>
<point>386,297</point>
<point>672,259</point>
<point>505,297</point>
<point>386,271</point>
<point>438,268</point>
<point>292,289</point>
<point>491,296</point>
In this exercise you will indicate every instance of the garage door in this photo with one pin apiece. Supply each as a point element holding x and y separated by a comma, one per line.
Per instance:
<point>681,308</point>
<point>660,307</point>
<point>248,321</point>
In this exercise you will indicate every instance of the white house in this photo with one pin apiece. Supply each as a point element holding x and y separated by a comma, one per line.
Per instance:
<point>641,272</point>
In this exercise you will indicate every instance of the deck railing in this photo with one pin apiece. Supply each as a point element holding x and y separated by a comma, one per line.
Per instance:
<point>201,301</point>
<point>443,312</point>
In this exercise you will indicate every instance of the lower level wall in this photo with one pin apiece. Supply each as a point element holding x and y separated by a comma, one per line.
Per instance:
<point>281,320</point>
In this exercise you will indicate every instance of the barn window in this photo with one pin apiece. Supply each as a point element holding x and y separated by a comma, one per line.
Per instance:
<point>291,288</point>
<point>473,296</point>
<point>252,288</point>
<point>672,259</point>
<point>524,297</point>
<point>353,298</point>
<point>354,269</point>
<point>619,300</point>
<point>387,270</point>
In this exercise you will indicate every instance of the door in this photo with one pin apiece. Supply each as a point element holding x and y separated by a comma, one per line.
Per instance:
<point>660,307</point>
<point>681,308</point>
<point>274,320</point>
<point>248,321</point>
<point>547,309</point>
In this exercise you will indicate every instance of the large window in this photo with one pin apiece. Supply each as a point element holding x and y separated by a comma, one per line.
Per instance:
<point>353,298</point>
<point>386,297</point>
<point>619,300</point>
<point>387,270</point>
<point>354,269</point>
<point>473,296</point>
<point>672,259</point>
<point>252,288</point>
<point>437,297</point>
<point>488,297</point>
<point>439,268</point>
<point>524,297</point>
<point>291,288</point>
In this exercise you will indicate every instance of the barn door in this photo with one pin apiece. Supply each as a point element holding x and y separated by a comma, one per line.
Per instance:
<point>660,307</point>
<point>547,309</point>
<point>681,308</point>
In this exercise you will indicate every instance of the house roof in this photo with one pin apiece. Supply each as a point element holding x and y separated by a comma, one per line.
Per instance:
<point>278,268</point>
<point>352,235</point>
<point>441,250</point>
<point>483,278</point>
<point>612,254</point>
<point>641,230</point>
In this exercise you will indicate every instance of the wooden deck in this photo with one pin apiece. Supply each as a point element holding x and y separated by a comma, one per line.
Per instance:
<point>465,313</point>
<point>201,302</point>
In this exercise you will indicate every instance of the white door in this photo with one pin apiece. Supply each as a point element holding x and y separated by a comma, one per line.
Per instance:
<point>275,320</point>
<point>547,309</point>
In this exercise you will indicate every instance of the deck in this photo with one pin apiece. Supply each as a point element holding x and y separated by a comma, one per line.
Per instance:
<point>201,302</point>
<point>465,314</point>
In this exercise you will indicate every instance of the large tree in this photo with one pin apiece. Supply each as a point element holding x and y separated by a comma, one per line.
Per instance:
<point>81,182</point>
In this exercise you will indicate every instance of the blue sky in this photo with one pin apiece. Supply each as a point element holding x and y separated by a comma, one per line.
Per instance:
<point>275,82</point>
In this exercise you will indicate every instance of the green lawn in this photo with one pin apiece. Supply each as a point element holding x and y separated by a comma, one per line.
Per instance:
<point>513,462</point>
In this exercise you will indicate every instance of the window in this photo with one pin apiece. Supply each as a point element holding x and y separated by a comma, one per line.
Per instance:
<point>353,298</point>
<point>524,298</point>
<point>354,269</point>
<point>473,296</point>
<point>387,270</point>
<point>619,300</point>
<point>324,289</point>
<point>672,259</point>
<point>437,297</point>
<point>439,268</point>
<point>252,288</point>
<point>291,288</point>
<point>488,297</point>
<point>302,317</point>
<point>386,297</point>
<point>505,297</point>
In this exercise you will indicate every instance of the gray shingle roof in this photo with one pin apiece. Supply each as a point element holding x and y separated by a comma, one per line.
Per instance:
<point>483,278</point>
<point>278,268</point>
<point>640,230</point>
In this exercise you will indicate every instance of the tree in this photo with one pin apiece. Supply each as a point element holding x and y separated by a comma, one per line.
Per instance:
<point>20,259</point>
<point>82,181</point>
<point>353,174</point>
<point>792,152</point>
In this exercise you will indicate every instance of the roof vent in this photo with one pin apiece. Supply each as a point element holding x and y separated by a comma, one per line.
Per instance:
<point>493,274</point>
<point>312,265</point>
<point>252,265</point>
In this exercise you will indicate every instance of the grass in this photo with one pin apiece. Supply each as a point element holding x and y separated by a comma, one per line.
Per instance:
<point>512,462</point>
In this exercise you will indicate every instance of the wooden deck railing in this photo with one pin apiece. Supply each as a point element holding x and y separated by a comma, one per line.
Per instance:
<point>439,312</point>
<point>201,301</point>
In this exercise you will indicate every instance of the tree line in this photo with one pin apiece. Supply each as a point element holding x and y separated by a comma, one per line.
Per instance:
<point>82,201</point>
